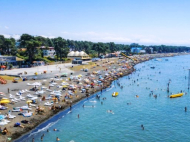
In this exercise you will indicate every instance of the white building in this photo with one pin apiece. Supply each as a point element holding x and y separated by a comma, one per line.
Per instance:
<point>48,51</point>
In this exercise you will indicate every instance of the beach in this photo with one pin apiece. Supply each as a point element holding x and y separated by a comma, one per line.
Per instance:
<point>108,69</point>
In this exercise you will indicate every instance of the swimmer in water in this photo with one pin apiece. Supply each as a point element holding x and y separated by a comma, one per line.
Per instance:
<point>54,129</point>
<point>142,127</point>
<point>78,116</point>
<point>47,130</point>
<point>42,138</point>
<point>57,139</point>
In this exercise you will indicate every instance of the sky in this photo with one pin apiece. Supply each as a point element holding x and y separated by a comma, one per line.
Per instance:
<point>148,22</point>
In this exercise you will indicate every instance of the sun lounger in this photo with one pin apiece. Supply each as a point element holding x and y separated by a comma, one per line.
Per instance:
<point>51,85</point>
<point>33,105</point>
<point>47,104</point>
<point>27,90</point>
<point>27,114</point>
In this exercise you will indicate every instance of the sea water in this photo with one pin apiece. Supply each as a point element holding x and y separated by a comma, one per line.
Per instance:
<point>164,119</point>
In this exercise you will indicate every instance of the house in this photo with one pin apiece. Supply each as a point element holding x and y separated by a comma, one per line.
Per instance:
<point>142,51</point>
<point>6,60</point>
<point>136,49</point>
<point>48,51</point>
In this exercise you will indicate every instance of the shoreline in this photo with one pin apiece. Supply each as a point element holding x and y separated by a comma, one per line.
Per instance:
<point>17,135</point>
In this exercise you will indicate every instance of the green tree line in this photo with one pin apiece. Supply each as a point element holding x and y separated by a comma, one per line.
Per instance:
<point>62,47</point>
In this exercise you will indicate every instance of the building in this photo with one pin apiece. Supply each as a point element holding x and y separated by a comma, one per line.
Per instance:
<point>136,49</point>
<point>78,55</point>
<point>48,51</point>
<point>142,51</point>
<point>6,60</point>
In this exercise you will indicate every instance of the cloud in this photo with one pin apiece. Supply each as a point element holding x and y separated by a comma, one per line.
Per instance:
<point>15,36</point>
<point>136,38</point>
<point>6,27</point>
<point>50,36</point>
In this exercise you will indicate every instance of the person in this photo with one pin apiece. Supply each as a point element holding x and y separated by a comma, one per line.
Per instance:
<point>25,121</point>
<point>42,138</point>
<point>33,140</point>
<point>54,129</point>
<point>18,125</point>
<point>57,139</point>
<point>47,130</point>
<point>185,109</point>
<point>8,90</point>
<point>101,103</point>
<point>78,116</point>
<point>5,131</point>
<point>142,127</point>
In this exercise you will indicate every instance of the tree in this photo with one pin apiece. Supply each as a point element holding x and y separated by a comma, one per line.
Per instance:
<point>112,47</point>
<point>61,48</point>
<point>99,47</point>
<point>31,48</point>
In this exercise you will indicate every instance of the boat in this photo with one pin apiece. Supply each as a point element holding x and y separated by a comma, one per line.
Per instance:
<point>176,95</point>
<point>115,94</point>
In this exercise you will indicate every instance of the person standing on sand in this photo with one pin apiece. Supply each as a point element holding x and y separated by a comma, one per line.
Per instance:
<point>8,90</point>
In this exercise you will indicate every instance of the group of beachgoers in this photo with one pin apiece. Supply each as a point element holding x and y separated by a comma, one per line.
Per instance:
<point>112,72</point>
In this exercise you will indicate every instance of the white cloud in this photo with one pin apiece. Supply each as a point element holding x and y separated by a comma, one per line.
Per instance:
<point>6,27</point>
<point>50,36</point>
<point>109,37</point>
<point>15,36</point>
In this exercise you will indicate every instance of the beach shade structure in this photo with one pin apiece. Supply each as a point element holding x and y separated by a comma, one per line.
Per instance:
<point>65,86</point>
<point>4,101</point>
<point>80,75</point>
<point>2,117</point>
<point>29,101</point>
<point>64,75</point>
<point>2,94</point>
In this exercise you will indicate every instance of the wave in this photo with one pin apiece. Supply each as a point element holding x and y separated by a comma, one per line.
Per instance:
<point>110,88</point>
<point>45,128</point>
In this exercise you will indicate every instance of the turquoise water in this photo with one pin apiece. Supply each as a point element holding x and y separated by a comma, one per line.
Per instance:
<point>164,119</point>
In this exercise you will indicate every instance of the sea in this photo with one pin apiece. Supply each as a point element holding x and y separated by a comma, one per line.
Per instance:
<point>142,112</point>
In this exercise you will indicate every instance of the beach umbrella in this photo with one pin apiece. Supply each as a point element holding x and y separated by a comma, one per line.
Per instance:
<point>29,101</point>
<point>3,66</point>
<point>2,94</point>
<point>65,86</point>
<point>2,117</point>
<point>5,101</point>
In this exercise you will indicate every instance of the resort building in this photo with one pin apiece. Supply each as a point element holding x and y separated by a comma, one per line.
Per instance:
<point>78,55</point>
<point>6,60</point>
<point>48,51</point>
<point>136,49</point>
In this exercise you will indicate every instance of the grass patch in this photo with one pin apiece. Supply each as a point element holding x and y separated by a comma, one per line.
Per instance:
<point>79,67</point>
<point>9,78</point>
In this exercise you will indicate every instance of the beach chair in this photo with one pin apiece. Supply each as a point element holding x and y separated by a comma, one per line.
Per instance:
<point>27,90</point>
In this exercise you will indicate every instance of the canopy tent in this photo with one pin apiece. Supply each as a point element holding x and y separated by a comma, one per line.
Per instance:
<point>5,101</point>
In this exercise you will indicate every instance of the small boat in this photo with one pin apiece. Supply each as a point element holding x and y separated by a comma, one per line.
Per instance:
<point>115,94</point>
<point>176,95</point>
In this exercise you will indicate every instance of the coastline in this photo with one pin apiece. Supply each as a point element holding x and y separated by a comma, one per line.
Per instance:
<point>51,114</point>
